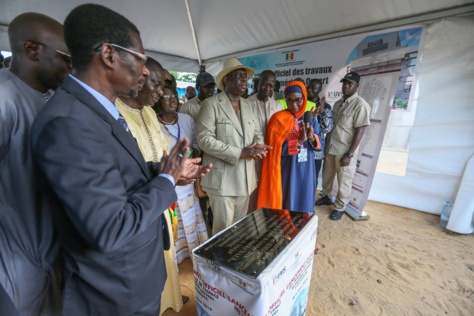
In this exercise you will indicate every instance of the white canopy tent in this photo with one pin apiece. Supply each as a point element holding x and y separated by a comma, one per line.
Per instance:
<point>183,34</point>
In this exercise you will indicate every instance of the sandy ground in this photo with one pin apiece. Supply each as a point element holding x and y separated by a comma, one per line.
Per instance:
<point>400,262</point>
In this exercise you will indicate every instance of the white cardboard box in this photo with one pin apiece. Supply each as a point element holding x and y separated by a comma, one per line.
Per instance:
<point>261,265</point>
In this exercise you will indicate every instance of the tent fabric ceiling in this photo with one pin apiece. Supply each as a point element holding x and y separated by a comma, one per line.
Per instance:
<point>227,27</point>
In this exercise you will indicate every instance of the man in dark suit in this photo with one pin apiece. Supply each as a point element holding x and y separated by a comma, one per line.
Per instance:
<point>110,202</point>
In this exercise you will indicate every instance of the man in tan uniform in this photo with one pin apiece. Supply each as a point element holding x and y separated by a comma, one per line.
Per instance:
<point>205,85</point>
<point>351,116</point>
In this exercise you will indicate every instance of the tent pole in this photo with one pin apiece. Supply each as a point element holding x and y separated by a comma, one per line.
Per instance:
<point>190,18</point>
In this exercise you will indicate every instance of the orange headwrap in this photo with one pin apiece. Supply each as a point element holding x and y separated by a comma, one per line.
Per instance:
<point>270,193</point>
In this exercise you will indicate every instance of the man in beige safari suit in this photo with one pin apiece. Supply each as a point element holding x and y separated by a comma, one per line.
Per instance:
<point>229,134</point>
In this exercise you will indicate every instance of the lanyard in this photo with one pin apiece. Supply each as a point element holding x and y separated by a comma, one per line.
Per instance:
<point>179,132</point>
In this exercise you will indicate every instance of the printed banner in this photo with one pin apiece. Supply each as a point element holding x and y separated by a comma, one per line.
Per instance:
<point>330,60</point>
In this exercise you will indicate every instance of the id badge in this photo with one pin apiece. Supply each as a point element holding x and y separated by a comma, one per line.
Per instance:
<point>292,147</point>
<point>303,155</point>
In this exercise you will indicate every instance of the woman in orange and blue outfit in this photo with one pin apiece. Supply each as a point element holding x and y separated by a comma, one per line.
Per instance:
<point>288,179</point>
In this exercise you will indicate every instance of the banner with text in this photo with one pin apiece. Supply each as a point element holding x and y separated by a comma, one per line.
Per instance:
<point>330,60</point>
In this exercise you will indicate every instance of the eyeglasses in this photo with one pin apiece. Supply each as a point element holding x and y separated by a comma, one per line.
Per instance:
<point>296,101</point>
<point>169,97</point>
<point>64,56</point>
<point>240,77</point>
<point>140,56</point>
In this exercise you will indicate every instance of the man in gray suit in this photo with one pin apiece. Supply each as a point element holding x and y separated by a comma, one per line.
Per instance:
<point>28,243</point>
<point>110,201</point>
<point>229,134</point>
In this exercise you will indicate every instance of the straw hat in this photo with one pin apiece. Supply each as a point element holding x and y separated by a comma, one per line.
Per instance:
<point>230,65</point>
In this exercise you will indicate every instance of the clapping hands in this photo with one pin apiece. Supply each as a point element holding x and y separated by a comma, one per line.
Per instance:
<point>184,170</point>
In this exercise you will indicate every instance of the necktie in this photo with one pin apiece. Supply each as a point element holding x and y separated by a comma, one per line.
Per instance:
<point>122,122</point>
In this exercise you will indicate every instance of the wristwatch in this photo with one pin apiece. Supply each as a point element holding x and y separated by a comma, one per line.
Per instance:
<point>350,155</point>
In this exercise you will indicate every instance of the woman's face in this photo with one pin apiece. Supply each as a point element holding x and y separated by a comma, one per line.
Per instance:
<point>294,101</point>
<point>168,101</point>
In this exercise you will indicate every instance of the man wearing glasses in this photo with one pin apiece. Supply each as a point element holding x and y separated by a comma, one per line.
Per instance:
<point>229,134</point>
<point>28,245</point>
<point>110,202</point>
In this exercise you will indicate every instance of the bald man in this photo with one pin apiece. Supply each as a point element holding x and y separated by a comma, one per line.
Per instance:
<point>28,247</point>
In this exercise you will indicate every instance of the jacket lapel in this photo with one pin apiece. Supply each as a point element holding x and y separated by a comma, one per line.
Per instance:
<point>245,113</point>
<point>124,137</point>
<point>227,108</point>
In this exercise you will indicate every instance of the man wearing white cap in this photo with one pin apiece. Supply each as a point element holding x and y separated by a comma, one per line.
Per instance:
<point>229,134</point>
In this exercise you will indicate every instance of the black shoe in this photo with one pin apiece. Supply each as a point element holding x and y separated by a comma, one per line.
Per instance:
<point>336,215</point>
<point>323,201</point>
<point>185,299</point>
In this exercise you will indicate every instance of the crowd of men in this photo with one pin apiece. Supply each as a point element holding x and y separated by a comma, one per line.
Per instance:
<point>81,211</point>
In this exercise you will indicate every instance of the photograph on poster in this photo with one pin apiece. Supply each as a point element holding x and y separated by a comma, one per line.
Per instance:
<point>367,145</point>
<point>375,93</point>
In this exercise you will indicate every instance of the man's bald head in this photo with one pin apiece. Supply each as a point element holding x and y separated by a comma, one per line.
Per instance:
<point>41,57</point>
<point>35,27</point>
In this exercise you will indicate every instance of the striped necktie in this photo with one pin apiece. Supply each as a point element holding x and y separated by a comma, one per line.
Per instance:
<point>122,122</point>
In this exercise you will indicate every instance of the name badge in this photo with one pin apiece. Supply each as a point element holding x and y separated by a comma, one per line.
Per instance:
<point>303,155</point>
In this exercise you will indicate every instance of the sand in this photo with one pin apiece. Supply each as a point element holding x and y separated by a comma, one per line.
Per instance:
<point>400,262</point>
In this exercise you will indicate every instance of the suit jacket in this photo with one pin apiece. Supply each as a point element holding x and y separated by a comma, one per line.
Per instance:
<point>109,206</point>
<point>221,136</point>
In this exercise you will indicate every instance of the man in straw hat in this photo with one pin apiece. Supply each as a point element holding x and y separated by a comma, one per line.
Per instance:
<point>229,134</point>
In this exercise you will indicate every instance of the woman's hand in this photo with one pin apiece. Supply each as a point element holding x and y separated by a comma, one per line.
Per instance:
<point>311,134</point>
<point>320,107</point>
<point>302,137</point>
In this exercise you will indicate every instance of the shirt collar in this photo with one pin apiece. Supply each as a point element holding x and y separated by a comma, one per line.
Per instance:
<point>352,97</point>
<point>109,106</point>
